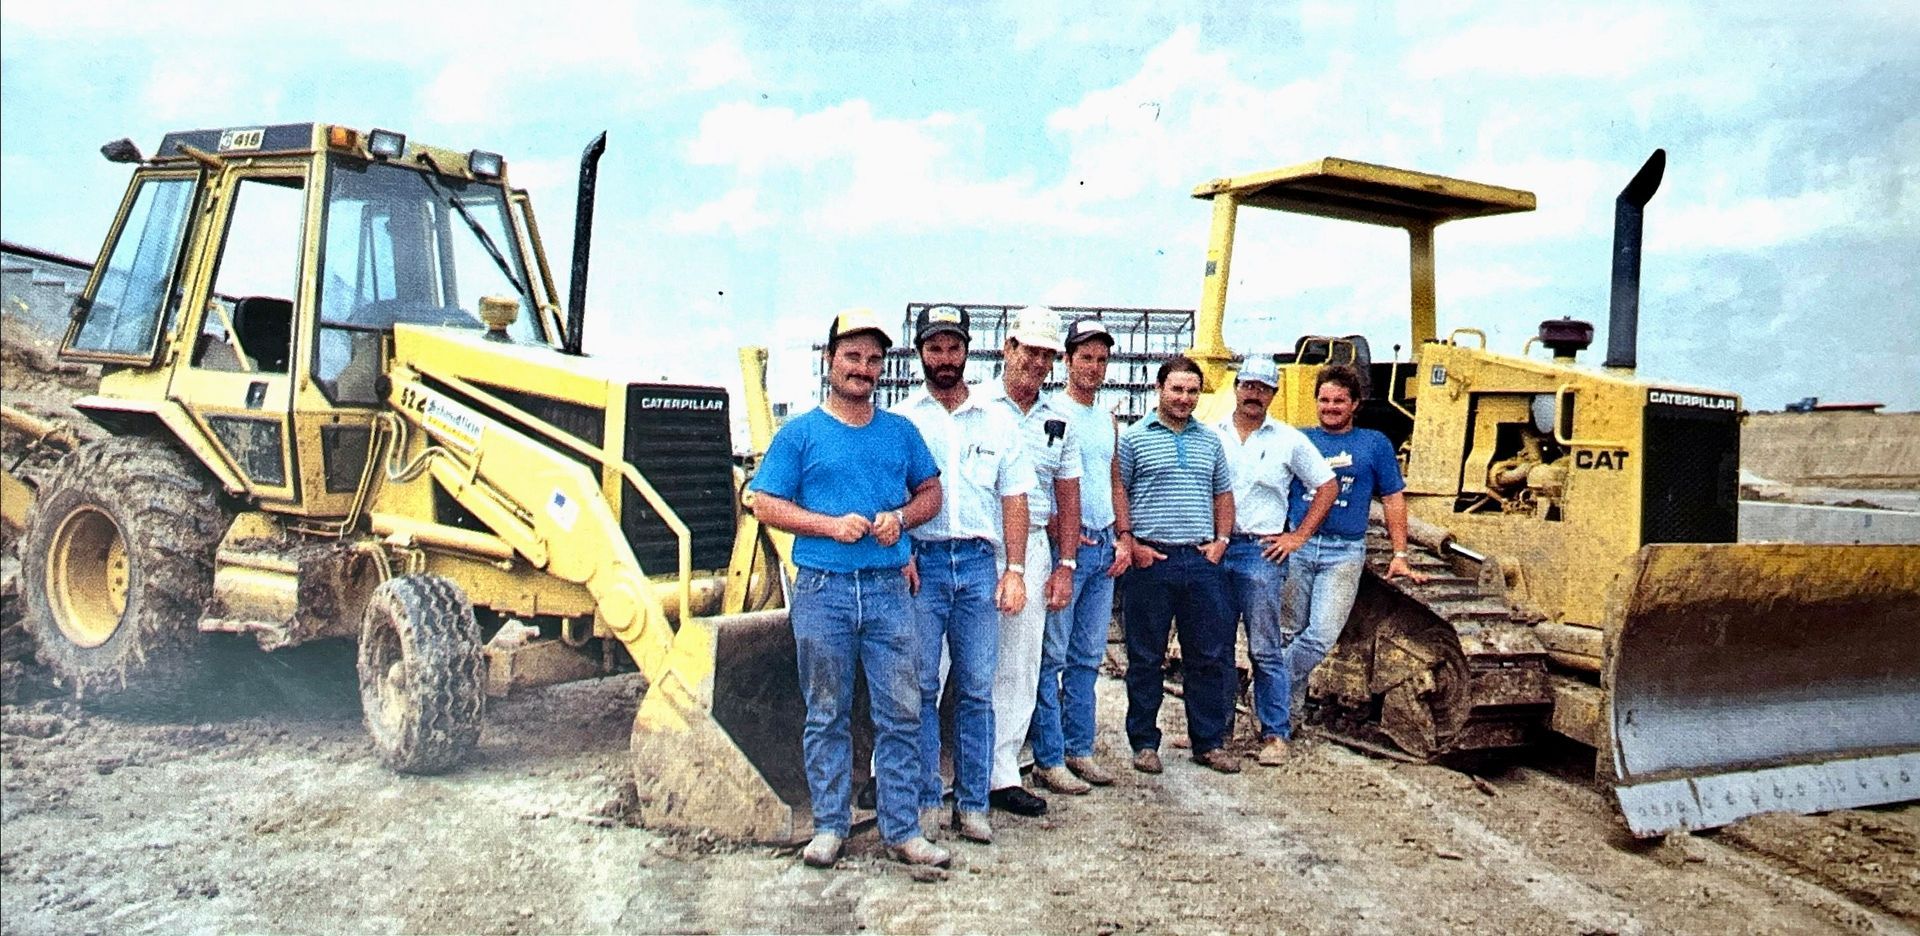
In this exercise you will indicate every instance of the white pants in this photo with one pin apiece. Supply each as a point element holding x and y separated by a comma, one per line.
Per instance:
<point>1016,680</point>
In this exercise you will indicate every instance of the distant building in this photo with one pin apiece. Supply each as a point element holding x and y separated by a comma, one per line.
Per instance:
<point>1143,338</point>
<point>38,287</point>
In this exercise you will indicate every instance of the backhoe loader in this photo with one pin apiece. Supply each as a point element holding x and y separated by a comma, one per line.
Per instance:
<point>1580,525</point>
<point>343,402</point>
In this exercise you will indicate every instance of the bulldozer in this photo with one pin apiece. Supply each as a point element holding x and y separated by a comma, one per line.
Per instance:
<point>1580,528</point>
<point>341,401</point>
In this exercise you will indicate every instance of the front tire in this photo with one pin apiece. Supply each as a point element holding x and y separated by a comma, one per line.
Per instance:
<point>118,566</point>
<point>422,674</point>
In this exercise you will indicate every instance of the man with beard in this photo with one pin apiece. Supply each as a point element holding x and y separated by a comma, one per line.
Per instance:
<point>958,596</point>
<point>1268,457</point>
<point>1053,511</point>
<point>848,481</point>
<point>1177,517</point>
<point>1076,639</point>
<point>1324,576</point>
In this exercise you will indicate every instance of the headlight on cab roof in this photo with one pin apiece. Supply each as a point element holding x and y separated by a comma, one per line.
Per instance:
<point>386,144</point>
<point>485,165</point>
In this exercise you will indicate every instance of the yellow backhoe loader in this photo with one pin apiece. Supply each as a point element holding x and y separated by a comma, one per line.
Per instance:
<point>344,403</point>
<point>1581,527</point>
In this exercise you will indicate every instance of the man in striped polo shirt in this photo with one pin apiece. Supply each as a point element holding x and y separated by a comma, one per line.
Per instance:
<point>1176,517</point>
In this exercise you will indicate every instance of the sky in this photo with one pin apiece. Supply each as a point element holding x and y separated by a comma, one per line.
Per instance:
<point>769,164</point>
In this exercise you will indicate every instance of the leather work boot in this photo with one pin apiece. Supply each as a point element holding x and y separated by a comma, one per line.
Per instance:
<point>919,851</point>
<point>931,822</point>
<point>973,826</point>
<point>823,851</point>
<point>1018,801</point>
<point>1146,760</point>
<point>1087,770</point>
<point>1273,752</point>
<point>1061,780</point>
<point>1218,760</point>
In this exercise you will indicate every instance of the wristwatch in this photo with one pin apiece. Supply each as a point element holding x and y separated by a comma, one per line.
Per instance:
<point>1070,563</point>
<point>1223,539</point>
<point>1018,568</point>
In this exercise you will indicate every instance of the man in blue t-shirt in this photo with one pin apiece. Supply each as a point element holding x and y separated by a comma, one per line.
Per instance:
<point>1323,577</point>
<point>848,480</point>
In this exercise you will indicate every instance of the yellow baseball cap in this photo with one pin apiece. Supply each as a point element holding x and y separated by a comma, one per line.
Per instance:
<point>852,321</point>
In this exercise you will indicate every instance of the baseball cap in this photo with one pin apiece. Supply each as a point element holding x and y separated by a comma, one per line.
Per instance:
<point>1088,328</point>
<point>1259,368</point>
<point>1037,326</point>
<point>942,318</point>
<point>853,321</point>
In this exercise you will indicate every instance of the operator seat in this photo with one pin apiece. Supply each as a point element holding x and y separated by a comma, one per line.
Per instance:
<point>1348,349</point>
<point>264,326</point>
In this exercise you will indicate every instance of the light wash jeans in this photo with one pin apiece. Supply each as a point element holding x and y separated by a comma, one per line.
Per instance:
<point>842,620</point>
<point>1323,578</point>
<point>1256,583</point>
<point>954,612</point>
<point>1070,656</point>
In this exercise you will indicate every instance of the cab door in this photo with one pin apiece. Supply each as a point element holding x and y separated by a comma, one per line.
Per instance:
<point>237,380</point>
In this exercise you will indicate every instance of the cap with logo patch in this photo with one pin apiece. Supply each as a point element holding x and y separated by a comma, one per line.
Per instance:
<point>854,321</point>
<point>1088,329</point>
<point>945,318</point>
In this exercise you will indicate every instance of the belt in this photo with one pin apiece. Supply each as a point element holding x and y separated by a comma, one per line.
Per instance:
<point>1251,537</point>
<point>1342,537</point>
<point>1166,547</point>
<point>955,543</point>
<point>890,572</point>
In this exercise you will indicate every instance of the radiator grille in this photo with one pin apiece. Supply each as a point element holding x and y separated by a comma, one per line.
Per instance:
<point>1691,472</point>
<point>681,441</point>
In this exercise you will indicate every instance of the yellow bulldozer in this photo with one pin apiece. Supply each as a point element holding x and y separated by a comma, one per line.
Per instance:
<point>1581,528</point>
<point>343,402</point>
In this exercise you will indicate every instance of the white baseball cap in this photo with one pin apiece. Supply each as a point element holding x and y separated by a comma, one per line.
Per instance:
<point>1037,326</point>
<point>1259,368</point>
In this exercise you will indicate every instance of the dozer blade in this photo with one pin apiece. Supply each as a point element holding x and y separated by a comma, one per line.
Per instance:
<point>1760,677</point>
<point>716,743</point>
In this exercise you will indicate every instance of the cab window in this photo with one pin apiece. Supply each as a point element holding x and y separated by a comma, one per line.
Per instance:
<point>122,317</point>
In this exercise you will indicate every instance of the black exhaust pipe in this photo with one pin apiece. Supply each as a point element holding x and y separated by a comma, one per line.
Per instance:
<point>582,242</point>
<point>1623,326</point>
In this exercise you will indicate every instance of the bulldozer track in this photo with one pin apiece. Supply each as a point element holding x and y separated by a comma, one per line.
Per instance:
<point>1438,669</point>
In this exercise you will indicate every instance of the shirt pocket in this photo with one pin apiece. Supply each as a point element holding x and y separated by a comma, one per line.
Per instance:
<point>981,467</point>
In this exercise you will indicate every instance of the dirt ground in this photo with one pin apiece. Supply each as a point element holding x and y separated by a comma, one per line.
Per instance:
<point>267,812</point>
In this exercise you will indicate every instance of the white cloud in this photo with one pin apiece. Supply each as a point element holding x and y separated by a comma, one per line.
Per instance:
<point>1543,41</point>
<point>736,212</point>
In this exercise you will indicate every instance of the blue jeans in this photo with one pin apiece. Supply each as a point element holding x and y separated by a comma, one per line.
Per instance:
<point>842,620</point>
<point>1188,592</point>
<point>1256,583</point>
<point>1323,578</point>
<point>1070,656</point>
<point>954,611</point>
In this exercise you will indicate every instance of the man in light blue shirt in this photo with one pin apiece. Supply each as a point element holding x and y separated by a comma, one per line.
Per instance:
<point>958,594</point>
<point>1076,638</point>
<point>1267,457</point>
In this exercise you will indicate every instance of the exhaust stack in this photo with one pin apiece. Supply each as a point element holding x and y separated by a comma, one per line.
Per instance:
<point>1623,325</point>
<point>582,242</point>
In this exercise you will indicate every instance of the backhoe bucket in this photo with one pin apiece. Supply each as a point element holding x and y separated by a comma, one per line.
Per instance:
<point>1761,677</point>
<point>716,743</point>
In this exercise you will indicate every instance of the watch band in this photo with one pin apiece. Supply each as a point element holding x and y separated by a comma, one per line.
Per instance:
<point>1070,563</point>
<point>1018,568</point>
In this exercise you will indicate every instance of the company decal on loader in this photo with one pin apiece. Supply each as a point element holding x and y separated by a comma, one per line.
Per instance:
<point>564,510</point>
<point>1438,376</point>
<point>451,423</point>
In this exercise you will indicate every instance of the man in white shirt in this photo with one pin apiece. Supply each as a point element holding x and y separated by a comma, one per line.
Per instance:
<point>1267,455</point>
<point>958,589</point>
<point>1033,342</point>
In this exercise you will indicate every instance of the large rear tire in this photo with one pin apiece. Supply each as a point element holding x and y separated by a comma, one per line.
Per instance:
<point>422,674</point>
<point>117,567</point>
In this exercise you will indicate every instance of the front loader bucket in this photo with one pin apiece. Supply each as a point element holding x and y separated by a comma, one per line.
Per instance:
<point>716,743</point>
<point>1762,677</point>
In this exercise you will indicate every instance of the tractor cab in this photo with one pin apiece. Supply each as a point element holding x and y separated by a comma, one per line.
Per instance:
<point>253,278</point>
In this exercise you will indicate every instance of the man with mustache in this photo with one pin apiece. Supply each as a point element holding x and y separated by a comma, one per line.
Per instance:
<point>1053,512</point>
<point>1268,457</point>
<point>1177,517</point>
<point>848,481</point>
<point>958,592</point>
